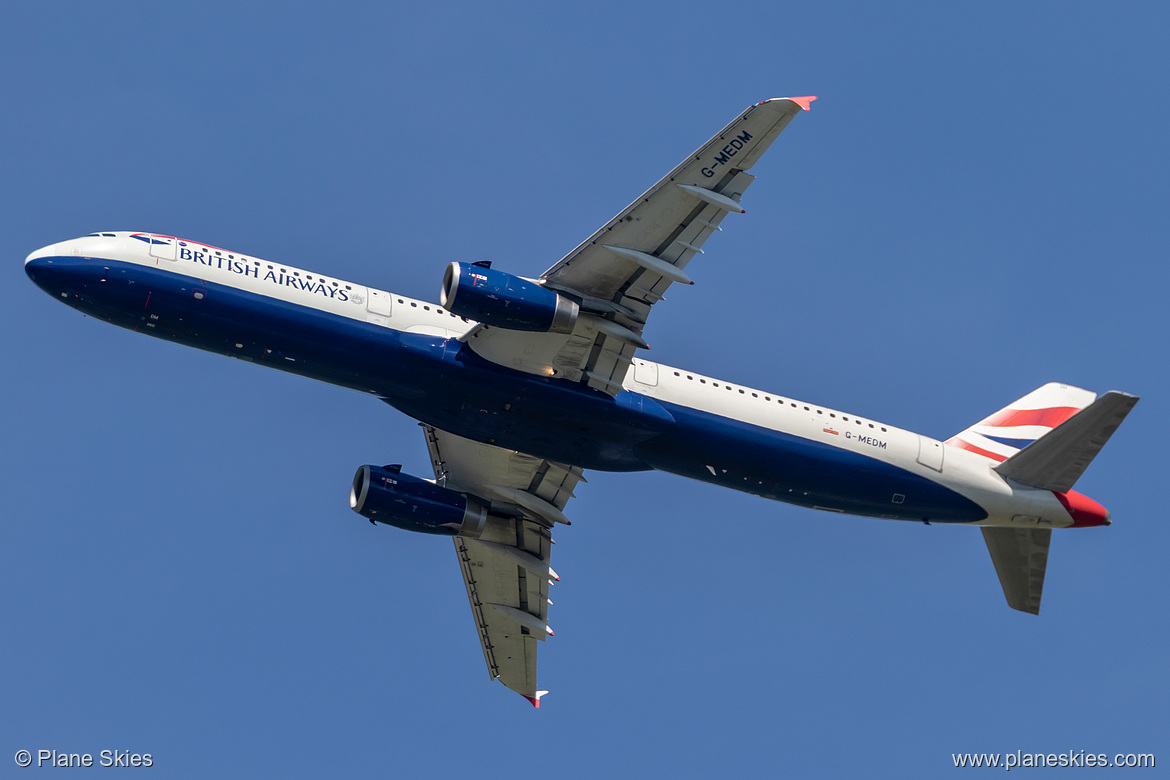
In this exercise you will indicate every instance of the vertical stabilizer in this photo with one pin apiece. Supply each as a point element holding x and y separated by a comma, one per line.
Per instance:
<point>1021,423</point>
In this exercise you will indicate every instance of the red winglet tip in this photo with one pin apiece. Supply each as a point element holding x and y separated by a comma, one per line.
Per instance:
<point>804,102</point>
<point>535,699</point>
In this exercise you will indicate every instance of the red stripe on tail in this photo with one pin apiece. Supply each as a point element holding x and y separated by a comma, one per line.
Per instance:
<point>1048,418</point>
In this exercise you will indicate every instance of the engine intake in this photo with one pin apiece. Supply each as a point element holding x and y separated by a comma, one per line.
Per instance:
<point>386,495</point>
<point>477,292</point>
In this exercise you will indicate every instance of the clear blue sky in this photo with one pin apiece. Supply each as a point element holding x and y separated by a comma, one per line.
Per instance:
<point>975,206</point>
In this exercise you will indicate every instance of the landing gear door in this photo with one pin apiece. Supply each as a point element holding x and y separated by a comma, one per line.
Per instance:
<point>163,247</point>
<point>930,453</point>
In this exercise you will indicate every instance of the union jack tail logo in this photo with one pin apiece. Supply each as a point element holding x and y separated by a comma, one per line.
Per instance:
<point>1013,428</point>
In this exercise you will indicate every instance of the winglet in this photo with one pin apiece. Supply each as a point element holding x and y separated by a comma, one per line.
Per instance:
<point>803,102</point>
<point>535,699</point>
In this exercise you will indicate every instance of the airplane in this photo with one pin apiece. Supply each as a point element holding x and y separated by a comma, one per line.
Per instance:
<point>522,384</point>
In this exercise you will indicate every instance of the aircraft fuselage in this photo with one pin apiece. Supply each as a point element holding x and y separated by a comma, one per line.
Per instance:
<point>409,354</point>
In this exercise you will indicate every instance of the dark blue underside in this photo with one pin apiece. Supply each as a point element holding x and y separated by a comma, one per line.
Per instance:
<point>444,383</point>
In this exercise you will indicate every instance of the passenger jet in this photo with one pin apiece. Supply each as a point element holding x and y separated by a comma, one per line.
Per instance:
<point>522,384</point>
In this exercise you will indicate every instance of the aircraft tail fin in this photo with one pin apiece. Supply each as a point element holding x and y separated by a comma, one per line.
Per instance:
<point>1056,461</point>
<point>1023,422</point>
<point>1045,440</point>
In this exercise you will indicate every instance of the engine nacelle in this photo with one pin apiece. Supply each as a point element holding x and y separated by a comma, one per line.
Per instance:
<point>495,298</point>
<point>386,495</point>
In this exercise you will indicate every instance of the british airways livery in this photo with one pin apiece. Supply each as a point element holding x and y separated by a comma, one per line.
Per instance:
<point>522,384</point>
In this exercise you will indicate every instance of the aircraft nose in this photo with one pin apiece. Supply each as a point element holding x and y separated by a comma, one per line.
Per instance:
<point>49,262</point>
<point>54,266</point>
<point>37,266</point>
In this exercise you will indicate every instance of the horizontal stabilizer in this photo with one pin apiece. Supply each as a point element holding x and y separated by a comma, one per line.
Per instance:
<point>1057,460</point>
<point>1020,556</point>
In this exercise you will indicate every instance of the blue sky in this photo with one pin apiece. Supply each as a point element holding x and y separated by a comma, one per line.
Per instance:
<point>975,206</point>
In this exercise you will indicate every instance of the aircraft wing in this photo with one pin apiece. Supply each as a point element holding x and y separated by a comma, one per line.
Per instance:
<point>506,570</point>
<point>624,268</point>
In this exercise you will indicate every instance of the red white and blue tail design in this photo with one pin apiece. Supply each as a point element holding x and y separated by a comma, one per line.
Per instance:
<point>1013,428</point>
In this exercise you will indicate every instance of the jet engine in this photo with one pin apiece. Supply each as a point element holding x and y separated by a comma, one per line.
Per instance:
<point>475,291</point>
<point>386,495</point>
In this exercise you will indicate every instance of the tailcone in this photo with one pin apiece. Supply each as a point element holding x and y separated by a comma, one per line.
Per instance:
<point>1084,511</point>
